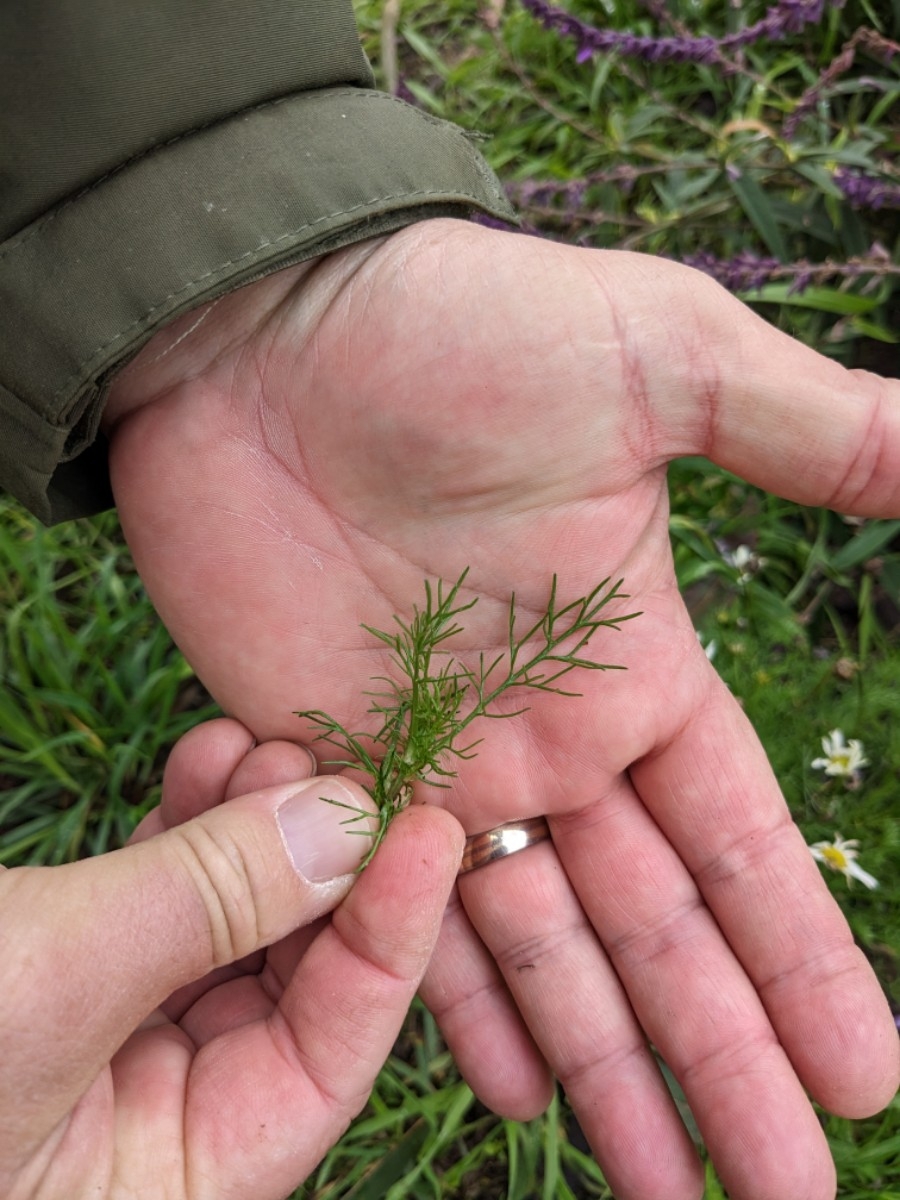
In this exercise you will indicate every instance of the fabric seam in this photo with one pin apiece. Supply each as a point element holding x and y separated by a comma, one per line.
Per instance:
<point>20,240</point>
<point>83,374</point>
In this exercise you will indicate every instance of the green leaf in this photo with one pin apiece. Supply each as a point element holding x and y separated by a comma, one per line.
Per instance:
<point>877,332</point>
<point>396,1163</point>
<point>865,545</point>
<point>824,299</point>
<point>758,208</point>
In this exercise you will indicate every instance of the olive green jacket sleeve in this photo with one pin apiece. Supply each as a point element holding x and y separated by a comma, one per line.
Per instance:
<point>155,154</point>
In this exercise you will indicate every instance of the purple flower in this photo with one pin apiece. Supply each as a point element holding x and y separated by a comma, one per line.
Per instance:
<point>570,195</point>
<point>867,191</point>
<point>782,19</point>
<point>874,44</point>
<point>545,192</point>
<point>744,272</point>
<point>747,272</point>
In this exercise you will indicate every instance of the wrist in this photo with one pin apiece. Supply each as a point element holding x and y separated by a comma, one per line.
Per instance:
<point>188,346</point>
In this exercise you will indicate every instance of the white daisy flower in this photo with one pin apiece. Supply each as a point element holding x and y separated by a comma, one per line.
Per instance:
<point>743,560</point>
<point>840,855</point>
<point>841,757</point>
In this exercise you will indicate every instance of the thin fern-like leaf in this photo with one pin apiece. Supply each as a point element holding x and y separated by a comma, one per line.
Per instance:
<point>422,709</point>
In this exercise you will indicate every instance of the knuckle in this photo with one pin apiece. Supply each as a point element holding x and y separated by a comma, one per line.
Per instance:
<point>543,948</point>
<point>654,939</point>
<point>748,1055</point>
<point>222,884</point>
<point>751,852</point>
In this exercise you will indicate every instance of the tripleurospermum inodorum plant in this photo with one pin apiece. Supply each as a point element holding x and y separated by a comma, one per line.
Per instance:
<point>428,703</point>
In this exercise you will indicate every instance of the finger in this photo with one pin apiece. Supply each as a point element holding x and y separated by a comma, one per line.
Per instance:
<point>197,772</point>
<point>779,414</point>
<point>214,762</point>
<point>200,766</point>
<point>92,947</point>
<point>245,999</point>
<point>713,793</point>
<point>268,764</point>
<point>529,917</point>
<point>319,1053</point>
<point>695,1001</point>
<point>247,996</point>
<point>236,995</point>
<point>481,1023</point>
<point>219,760</point>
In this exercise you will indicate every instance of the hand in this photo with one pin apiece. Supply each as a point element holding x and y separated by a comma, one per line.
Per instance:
<point>296,458</point>
<point>142,1052</point>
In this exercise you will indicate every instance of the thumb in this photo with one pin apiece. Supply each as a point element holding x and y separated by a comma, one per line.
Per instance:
<point>790,420</point>
<point>91,948</point>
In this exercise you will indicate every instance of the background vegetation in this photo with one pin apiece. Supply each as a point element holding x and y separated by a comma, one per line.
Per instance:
<point>771,162</point>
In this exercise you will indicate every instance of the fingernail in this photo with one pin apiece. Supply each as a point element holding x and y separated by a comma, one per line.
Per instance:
<point>316,825</point>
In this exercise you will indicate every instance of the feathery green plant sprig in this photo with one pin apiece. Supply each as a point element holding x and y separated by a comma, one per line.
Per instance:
<point>425,711</point>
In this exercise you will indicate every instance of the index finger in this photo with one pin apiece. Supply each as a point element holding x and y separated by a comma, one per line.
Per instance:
<point>296,1078</point>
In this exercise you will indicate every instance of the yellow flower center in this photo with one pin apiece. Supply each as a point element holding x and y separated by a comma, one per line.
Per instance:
<point>835,858</point>
<point>842,761</point>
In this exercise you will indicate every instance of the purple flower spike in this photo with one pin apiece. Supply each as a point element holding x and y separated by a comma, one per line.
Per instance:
<point>744,273</point>
<point>748,272</point>
<point>781,20</point>
<point>867,191</point>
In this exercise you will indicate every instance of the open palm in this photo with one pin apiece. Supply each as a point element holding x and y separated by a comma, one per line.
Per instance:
<point>295,459</point>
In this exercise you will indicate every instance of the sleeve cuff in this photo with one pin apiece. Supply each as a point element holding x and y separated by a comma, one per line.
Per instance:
<point>85,286</point>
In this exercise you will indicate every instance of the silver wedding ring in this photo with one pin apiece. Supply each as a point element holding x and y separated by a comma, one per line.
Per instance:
<point>484,848</point>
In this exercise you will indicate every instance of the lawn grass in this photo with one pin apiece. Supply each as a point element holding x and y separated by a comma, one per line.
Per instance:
<point>803,624</point>
<point>94,694</point>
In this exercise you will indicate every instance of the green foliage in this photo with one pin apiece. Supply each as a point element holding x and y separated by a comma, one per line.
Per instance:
<point>424,716</point>
<point>93,694</point>
<point>734,158</point>
<point>424,1136</point>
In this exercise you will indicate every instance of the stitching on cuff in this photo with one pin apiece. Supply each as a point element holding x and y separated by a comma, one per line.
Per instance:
<point>84,373</point>
<point>17,241</point>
